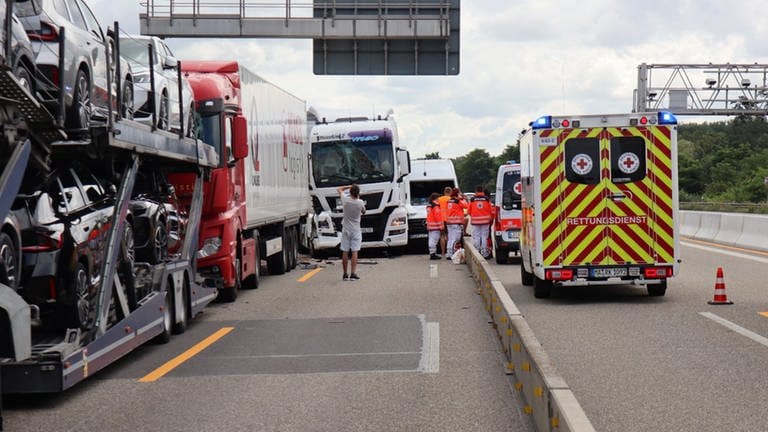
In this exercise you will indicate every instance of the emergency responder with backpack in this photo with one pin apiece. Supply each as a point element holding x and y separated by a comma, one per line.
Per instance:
<point>481,217</point>
<point>455,220</point>
<point>435,225</point>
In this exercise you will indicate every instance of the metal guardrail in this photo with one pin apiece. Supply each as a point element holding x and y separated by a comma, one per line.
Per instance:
<point>547,397</point>
<point>289,19</point>
<point>724,207</point>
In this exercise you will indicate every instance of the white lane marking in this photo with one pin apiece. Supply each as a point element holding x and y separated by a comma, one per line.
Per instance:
<point>433,270</point>
<point>738,329</point>
<point>430,360</point>
<point>726,252</point>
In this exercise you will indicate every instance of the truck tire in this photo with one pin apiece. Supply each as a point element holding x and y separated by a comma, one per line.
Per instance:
<point>229,294</point>
<point>657,290</point>
<point>276,264</point>
<point>180,326</point>
<point>501,254</point>
<point>252,281</point>
<point>295,248</point>
<point>525,277</point>
<point>165,335</point>
<point>542,288</point>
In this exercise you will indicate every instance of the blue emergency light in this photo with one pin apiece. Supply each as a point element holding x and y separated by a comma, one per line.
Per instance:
<point>543,122</point>
<point>667,118</point>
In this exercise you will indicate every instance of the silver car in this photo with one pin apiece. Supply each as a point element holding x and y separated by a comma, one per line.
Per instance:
<point>84,79</point>
<point>165,100</point>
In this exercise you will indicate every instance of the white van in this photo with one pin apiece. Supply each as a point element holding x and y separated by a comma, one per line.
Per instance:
<point>427,176</point>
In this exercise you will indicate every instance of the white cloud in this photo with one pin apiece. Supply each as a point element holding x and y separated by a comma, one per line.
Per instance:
<point>519,59</point>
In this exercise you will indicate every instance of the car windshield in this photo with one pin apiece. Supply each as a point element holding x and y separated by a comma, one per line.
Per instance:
<point>510,198</point>
<point>421,190</point>
<point>337,163</point>
<point>135,50</point>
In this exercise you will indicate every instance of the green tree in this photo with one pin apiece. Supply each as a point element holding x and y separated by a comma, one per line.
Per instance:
<point>433,155</point>
<point>511,152</point>
<point>475,168</point>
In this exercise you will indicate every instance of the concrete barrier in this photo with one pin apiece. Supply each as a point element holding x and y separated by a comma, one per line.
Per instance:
<point>690,222</point>
<point>754,232</point>
<point>734,229</point>
<point>548,399</point>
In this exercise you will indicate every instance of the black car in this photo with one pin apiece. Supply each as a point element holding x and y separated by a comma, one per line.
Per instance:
<point>158,221</point>
<point>64,228</point>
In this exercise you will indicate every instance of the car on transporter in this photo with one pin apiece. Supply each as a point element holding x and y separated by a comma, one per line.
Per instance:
<point>168,107</point>
<point>88,81</point>
<point>64,225</point>
<point>21,58</point>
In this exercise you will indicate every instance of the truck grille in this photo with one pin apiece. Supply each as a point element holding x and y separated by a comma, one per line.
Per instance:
<point>416,227</point>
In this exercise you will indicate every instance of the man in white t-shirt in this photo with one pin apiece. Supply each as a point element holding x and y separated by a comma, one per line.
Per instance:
<point>351,234</point>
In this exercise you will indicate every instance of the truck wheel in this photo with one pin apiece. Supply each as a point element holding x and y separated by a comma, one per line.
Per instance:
<point>252,281</point>
<point>542,288</point>
<point>501,254</point>
<point>181,326</point>
<point>525,277</point>
<point>276,263</point>
<point>229,294</point>
<point>290,263</point>
<point>165,335</point>
<point>657,290</point>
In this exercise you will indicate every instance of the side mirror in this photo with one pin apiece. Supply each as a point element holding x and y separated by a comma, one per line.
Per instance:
<point>170,63</point>
<point>240,138</point>
<point>403,164</point>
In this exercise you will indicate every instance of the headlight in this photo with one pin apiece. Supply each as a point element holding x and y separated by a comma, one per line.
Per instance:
<point>210,247</point>
<point>399,221</point>
<point>141,78</point>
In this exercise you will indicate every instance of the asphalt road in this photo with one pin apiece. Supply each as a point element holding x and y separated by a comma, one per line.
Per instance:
<point>407,348</point>
<point>638,363</point>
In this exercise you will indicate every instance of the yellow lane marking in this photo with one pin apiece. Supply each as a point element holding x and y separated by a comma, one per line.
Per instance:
<point>722,246</point>
<point>765,314</point>
<point>186,355</point>
<point>309,275</point>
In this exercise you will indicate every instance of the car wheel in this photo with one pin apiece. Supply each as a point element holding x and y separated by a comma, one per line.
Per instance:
<point>80,111</point>
<point>81,305</point>
<point>127,260</point>
<point>502,255</point>
<point>126,111</point>
<point>542,288</point>
<point>159,249</point>
<point>163,112</point>
<point>525,277</point>
<point>25,78</point>
<point>9,262</point>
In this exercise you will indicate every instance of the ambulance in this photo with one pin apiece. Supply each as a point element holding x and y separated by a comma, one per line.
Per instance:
<point>508,220</point>
<point>599,201</point>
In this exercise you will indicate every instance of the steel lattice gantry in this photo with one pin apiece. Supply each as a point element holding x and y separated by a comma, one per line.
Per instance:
<point>703,89</point>
<point>366,37</point>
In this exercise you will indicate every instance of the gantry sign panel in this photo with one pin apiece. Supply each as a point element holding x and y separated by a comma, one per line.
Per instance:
<point>387,37</point>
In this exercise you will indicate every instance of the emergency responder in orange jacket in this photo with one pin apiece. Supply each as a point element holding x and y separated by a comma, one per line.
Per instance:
<point>481,217</point>
<point>455,219</point>
<point>435,225</point>
<point>443,201</point>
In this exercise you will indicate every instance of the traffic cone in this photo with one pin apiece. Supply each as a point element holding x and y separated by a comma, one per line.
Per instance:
<point>720,297</point>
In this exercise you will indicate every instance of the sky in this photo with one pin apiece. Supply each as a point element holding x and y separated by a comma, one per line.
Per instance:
<point>519,59</point>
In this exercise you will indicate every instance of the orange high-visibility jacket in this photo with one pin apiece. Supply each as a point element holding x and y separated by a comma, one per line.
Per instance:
<point>456,208</point>
<point>480,210</point>
<point>434,217</point>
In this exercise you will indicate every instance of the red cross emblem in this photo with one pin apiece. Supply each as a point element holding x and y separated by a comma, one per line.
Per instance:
<point>629,163</point>
<point>581,164</point>
<point>518,188</point>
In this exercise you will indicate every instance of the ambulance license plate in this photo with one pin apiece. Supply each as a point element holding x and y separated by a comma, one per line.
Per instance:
<point>512,235</point>
<point>609,272</point>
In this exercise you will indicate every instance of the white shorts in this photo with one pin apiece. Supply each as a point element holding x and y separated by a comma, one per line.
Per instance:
<point>351,241</point>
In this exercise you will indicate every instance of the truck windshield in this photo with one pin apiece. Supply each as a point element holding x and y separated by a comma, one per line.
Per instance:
<point>337,163</point>
<point>209,131</point>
